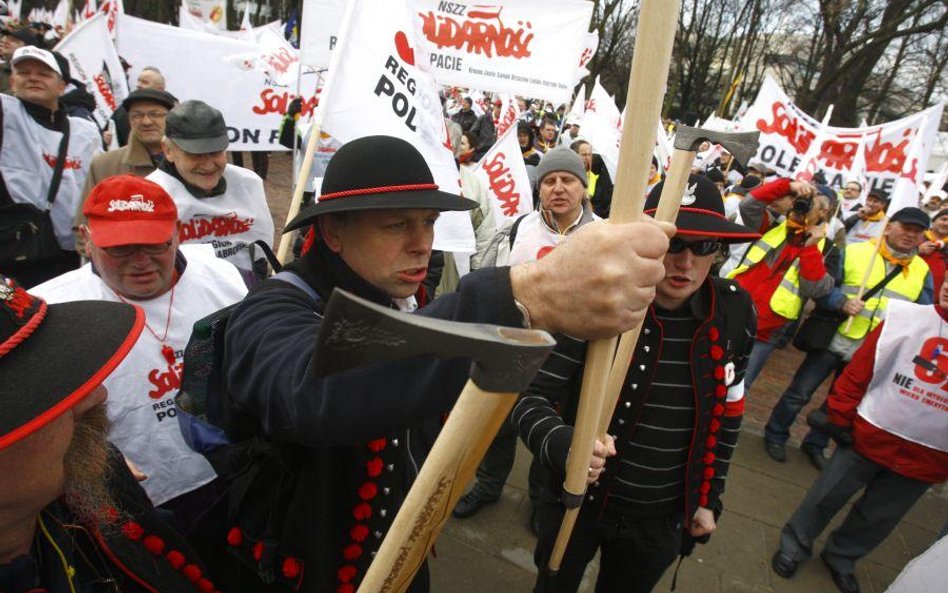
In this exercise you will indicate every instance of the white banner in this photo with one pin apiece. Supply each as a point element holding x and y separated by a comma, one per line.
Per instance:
<point>377,84</point>
<point>503,172</point>
<point>213,12</point>
<point>319,28</point>
<point>252,104</point>
<point>602,126</point>
<point>94,62</point>
<point>786,133</point>
<point>509,46</point>
<point>509,114</point>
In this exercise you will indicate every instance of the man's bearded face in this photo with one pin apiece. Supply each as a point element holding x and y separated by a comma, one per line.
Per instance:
<point>86,467</point>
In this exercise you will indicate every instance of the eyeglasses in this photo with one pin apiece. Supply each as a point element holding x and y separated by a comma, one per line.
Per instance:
<point>152,115</point>
<point>706,247</point>
<point>127,250</point>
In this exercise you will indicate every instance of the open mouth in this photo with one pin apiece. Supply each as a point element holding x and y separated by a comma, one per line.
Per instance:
<point>413,274</point>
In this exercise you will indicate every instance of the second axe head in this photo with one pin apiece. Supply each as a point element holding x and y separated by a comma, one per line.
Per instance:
<point>356,332</point>
<point>741,145</point>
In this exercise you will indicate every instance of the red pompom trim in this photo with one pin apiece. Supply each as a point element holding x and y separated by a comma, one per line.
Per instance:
<point>345,588</point>
<point>257,551</point>
<point>703,501</point>
<point>235,537</point>
<point>720,391</point>
<point>192,573</point>
<point>714,334</point>
<point>359,532</point>
<point>373,467</point>
<point>292,568</point>
<point>154,544</point>
<point>715,425</point>
<point>705,487</point>
<point>710,442</point>
<point>718,409</point>
<point>362,512</point>
<point>205,586</point>
<point>708,458</point>
<point>133,531</point>
<point>346,573</point>
<point>175,559</point>
<point>719,373</point>
<point>352,551</point>
<point>716,352</point>
<point>377,445</point>
<point>368,490</point>
<point>708,473</point>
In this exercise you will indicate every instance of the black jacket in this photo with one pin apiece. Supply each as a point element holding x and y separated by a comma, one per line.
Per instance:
<point>547,410</point>
<point>352,442</point>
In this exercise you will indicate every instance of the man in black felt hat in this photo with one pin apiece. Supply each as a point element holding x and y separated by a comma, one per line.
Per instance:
<point>656,484</point>
<point>72,517</point>
<point>353,442</point>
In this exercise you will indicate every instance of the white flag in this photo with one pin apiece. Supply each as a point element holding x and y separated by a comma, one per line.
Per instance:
<point>503,172</point>
<point>94,62</point>
<point>602,126</point>
<point>859,174</point>
<point>910,181</point>
<point>590,45</point>
<point>663,147</point>
<point>576,110</point>
<point>376,85</point>
<point>319,27</point>
<point>60,16</point>
<point>509,113</point>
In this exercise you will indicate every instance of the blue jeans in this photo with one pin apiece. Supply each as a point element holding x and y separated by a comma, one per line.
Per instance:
<point>755,362</point>
<point>816,367</point>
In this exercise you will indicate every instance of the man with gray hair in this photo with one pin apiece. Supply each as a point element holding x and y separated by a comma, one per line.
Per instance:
<point>149,78</point>
<point>218,203</point>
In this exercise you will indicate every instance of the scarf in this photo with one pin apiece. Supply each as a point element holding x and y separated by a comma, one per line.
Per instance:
<point>465,157</point>
<point>794,227</point>
<point>896,258</point>
<point>876,217</point>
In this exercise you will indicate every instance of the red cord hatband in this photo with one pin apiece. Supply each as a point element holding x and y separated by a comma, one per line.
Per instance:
<point>377,190</point>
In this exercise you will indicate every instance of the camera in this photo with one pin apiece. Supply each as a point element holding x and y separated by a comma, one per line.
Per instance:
<point>802,206</point>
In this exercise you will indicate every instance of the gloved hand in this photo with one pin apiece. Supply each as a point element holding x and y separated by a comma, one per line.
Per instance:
<point>819,420</point>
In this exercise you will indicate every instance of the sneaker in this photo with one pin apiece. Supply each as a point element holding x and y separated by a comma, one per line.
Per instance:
<point>846,583</point>
<point>815,456</point>
<point>783,565</point>
<point>775,451</point>
<point>470,504</point>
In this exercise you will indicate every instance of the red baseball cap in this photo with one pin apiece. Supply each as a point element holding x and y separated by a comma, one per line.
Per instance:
<point>129,210</point>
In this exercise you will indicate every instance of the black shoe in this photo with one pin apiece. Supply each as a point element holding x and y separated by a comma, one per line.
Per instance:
<point>775,451</point>
<point>846,583</point>
<point>535,521</point>
<point>815,456</point>
<point>469,504</point>
<point>783,565</point>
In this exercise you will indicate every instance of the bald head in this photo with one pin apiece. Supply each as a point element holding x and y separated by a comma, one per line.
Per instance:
<point>151,78</point>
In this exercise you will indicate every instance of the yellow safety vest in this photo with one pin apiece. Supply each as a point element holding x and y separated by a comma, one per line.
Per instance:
<point>786,300</point>
<point>901,287</point>
<point>591,179</point>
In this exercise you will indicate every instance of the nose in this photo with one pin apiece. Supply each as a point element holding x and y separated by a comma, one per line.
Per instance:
<point>420,239</point>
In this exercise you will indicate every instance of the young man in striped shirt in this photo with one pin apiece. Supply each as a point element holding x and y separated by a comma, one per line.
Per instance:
<point>658,477</point>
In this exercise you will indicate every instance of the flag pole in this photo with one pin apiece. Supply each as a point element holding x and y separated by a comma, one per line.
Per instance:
<point>865,277</point>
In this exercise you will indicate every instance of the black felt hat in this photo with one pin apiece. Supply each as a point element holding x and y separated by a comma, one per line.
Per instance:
<point>53,356</point>
<point>378,172</point>
<point>702,212</point>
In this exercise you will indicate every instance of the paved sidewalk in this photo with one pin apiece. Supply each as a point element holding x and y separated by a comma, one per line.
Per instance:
<point>492,552</point>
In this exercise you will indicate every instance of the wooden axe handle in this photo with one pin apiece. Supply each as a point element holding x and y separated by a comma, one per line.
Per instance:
<point>668,205</point>
<point>469,431</point>
<point>286,241</point>
<point>651,58</point>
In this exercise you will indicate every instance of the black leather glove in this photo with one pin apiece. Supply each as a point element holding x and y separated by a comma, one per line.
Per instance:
<point>819,420</point>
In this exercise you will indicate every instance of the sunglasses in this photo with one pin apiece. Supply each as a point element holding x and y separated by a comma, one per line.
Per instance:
<point>127,250</point>
<point>706,247</point>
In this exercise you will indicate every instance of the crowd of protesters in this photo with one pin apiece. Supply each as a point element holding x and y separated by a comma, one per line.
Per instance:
<point>166,223</point>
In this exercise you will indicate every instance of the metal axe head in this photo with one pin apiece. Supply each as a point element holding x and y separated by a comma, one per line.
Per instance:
<point>357,332</point>
<point>741,145</point>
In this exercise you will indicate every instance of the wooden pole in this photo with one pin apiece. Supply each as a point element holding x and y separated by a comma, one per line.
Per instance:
<point>865,277</point>
<point>655,36</point>
<point>286,241</point>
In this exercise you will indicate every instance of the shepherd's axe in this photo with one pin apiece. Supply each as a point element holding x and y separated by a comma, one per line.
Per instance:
<point>504,362</point>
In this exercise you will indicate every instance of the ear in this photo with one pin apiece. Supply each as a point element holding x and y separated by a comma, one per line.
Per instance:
<point>87,239</point>
<point>167,150</point>
<point>328,228</point>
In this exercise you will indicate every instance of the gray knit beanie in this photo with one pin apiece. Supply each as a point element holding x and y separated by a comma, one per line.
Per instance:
<point>561,158</point>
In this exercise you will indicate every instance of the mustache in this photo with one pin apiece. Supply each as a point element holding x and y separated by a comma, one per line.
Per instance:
<point>87,468</point>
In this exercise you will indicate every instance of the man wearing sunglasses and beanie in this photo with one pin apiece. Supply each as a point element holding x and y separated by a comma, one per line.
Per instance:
<point>132,241</point>
<point>655,483</point>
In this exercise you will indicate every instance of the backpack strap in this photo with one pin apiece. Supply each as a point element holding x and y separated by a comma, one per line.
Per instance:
<point>513,229</point>
<point>297,281</point>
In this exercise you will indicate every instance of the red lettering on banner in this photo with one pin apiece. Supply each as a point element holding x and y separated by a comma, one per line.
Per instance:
<point>502,184</point>
<point>165,381</point>
<point>219,226</point>
<point>281,60</point>
<point>590,105</point>
<point>71,163</point>
<point>105,90</point>
<point>838,155</point>
<point>584,59</point>
<point>507,119</point>
<point>271,102</point>
<point>789,127</point>
<point>885,156</point>
<point>478,37</point>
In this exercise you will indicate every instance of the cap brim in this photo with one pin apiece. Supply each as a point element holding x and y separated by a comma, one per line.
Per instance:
<point>112,233</point>
<point>72,351</point>
<point>695,224</point>
<point>424,199</point>
<point>202,145</point>
<point>54,67</point>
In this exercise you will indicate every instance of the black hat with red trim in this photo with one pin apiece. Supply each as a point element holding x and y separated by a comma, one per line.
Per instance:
<point>378,172</point>
<point>53,356</point>
<point>702,212</point>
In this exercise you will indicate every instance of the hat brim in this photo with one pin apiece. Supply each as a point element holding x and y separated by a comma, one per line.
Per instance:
<point>112,233</point>
<point>72,351</point>
<point>128,102</point>
<point>707,225</point>
<point>421,199</point>
<point>202,145</point>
